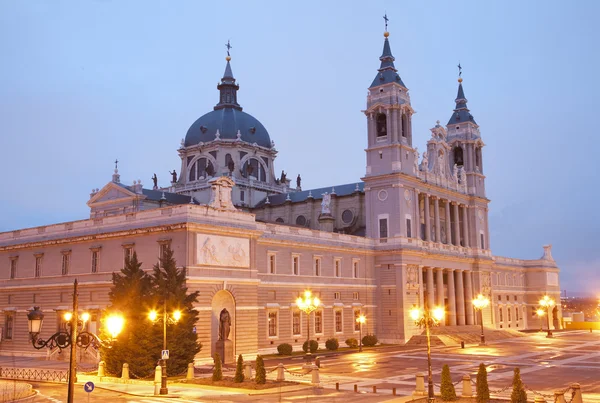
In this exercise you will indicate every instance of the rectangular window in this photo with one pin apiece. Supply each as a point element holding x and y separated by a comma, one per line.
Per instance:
<point>296,265</point>
<point>66,262</point>
<point>355,268</point>
<point>356,322</point>
<point>241,195</point>
<point>501,318</point>
<point>95,261</point>
<point>355,295</point>
<point>482,242</point>
<point>272,324</point>
<point>271,263</point>
<point>499,297</point>
<point>338,321</point>
<point>9,323</point>
<point>516,313</point>
<point>317,266</point>
<point>13,267</point>
<point>383,228</point>
<point>338,267</point>
<point>163,249</point>
<point>38,266</point>
<point>508,312</point>
<point>336,295</point>
<point>318,321</point>
<point>515,297</point>
<point>408,228</point>
<point>296,323</point>
<point>508,297</point>
<point>127,254</point>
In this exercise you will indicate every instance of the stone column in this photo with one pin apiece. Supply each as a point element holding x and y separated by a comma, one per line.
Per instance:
<point>439,289</point>
<point>421,288</point>
<point>456,225</point>
<point>465,226</point>
<point>448,225</point>
<point>436,212</point>
<point>417,232</point>
<point>451,299</point>
<point>430,293</point>
<point>394,125</point>
<point>372,129</point>
<point>469,297</point>
<point>460,299</point>
<point>427,220</point>
<point>388,124</point>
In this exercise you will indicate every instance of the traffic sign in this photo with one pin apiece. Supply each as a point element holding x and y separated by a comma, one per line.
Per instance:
<point>89,387</point>
<point>165,354</point>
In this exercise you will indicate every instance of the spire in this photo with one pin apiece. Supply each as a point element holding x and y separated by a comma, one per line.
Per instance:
<point>387,71</point>
<point>461,112</point>
<point>228,88</point>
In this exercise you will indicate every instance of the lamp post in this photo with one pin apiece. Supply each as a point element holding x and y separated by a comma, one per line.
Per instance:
<point>547,303</point>
<point>360,320</point>
<point>175,316</point>
<point>540,312</point>
<point>480,303</point>
<point>428,319</point>
<point>307,304</point>
<point>70,336</point>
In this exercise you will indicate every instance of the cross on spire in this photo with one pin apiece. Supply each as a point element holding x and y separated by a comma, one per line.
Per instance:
<point>386,19</point>
<point>116,163</point>
<point>228,46</point>
<point>459,70</point>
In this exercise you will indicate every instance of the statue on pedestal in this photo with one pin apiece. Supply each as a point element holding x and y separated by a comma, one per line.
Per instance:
<point>298,181</point>
<point>174,176</point>
<point>224,325</point>
<point>326,203</point>
<point>155,180</point>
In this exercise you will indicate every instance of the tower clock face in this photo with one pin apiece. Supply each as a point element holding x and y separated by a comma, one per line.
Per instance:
<point>382,195</point>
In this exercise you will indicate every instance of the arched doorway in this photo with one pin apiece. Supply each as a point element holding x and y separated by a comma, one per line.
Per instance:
<point>221,300</point>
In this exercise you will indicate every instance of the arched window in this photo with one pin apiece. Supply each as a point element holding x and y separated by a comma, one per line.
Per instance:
<point>252,168</point>
<point>201,169</point>
<point>458,156</point>
<point>404,125</point>
<point>279,220</point>
<point>229,162</point>
<point>478,159</point>
<point>381,125</point>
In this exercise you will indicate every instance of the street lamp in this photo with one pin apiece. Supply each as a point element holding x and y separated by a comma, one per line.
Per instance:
<point>540,312</point>
<point>480,303</point>
<point>428,319</point>
<point>307,304</point>
<point>547,303</point>
<point>175,316</point>
<point>68,337</point>
<point>361,319</point>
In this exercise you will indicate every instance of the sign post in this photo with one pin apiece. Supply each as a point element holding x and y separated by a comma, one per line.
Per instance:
<point>165,354</point>
<point>89,388</point>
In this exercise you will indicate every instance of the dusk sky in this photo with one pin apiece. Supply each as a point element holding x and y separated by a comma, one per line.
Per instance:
<point>85,82</point>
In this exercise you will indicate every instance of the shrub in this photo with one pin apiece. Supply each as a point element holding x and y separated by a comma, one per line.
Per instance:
<point>447,389</point>
<point>352,342</point>
<point>217,371</point>
<point>285,349</point>
<point>518,393</point>
<point>483,391</point>
<point>332,344</point>
<point>261,373</point>
<point>314,346</point>
<point>239,370</point>
<point>369,340</point>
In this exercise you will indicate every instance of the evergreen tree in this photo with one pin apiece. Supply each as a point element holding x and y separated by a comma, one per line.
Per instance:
<point>169,291</point>
<point>483,391</point>
<point>518,393</point>
<point>261,373</point>
<point>131,287</point>
<point>239,370</point>
<point>217,370</point>
<point>447,389</point>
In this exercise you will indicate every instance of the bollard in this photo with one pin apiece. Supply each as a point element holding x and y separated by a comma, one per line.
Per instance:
<point>420,389</point>
<point>539,399</point>
<point>462,344</point>
<point>374,389</point>
<point>247,370</point>
<point>315,376</point>
<point>125,373</point>
<point>355,388</point>
<point>590,330</point>
<point>318,362</point>
<point>280,373</point>
<point>337,386</point>
<point>394,391</point>
<point>577,397</point>
<point>101,372</point>
<point>467,389</point>
<point>157,379</point>
<point>559,397</point>
<point>190,371</point>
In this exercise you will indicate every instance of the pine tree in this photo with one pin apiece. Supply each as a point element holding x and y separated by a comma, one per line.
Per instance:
<point>217,370</point>
<point>239,370</point>
<point>483,391</point>
<point>261,373</point>
<point>169,290</point>
<point>518,393</point>
<point>447,389</point>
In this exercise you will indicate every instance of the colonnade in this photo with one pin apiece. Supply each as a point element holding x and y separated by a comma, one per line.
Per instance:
<point>458,234</point>
<point>456,297</point>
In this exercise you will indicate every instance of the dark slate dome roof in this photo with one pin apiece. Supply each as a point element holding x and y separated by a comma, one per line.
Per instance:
<point>228,121</point>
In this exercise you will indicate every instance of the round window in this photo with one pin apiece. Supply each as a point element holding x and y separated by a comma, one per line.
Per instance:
<point>347,216</point>
<point>280,220</point>
<point>301,220</point>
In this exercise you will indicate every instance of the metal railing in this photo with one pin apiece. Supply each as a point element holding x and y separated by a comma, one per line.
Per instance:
<point>34,374</point>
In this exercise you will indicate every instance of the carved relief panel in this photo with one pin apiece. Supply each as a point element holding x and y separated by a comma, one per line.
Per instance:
<point>215,250</point>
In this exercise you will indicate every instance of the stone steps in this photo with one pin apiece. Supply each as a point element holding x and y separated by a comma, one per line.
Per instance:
<point>453,335</point>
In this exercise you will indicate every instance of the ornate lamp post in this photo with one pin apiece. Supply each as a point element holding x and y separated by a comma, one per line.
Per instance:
<point>428,319</point>
<point>307,304</point>
<point>154,317</point>
<point>70,336</point>
<point>547,303</point>
<point>540,312</point>
<point>360,320</point>
<point>480,303</point>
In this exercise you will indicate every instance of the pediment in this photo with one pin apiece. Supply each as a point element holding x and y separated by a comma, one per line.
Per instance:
<point>111,193</point>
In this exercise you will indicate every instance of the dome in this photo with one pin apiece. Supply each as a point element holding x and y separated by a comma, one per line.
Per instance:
<point>228,121</point>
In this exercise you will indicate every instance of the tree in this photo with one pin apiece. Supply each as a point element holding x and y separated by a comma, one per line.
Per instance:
<point>261,372</point>
<point>217,370</point>
<point>518,394</point>
<point>447,389</point>
<point>169,291</point>
<point>239,370</point>
<point>483,391</point>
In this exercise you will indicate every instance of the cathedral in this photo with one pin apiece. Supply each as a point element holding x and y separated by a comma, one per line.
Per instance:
<point>412,232</point>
